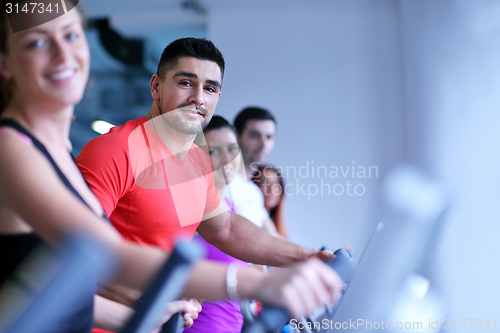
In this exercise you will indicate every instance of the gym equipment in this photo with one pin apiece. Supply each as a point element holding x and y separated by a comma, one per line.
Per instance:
<point>48,285</point>
<point>66,278</point>
<point>272,319</point>
<point>392,283</point>
<point>166,287</point>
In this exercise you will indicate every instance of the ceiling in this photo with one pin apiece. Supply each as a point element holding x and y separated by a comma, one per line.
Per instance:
<point>154,19</point>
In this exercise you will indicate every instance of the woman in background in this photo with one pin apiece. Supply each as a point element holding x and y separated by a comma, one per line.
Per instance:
<point>272,185</point>
<point>222,316</point>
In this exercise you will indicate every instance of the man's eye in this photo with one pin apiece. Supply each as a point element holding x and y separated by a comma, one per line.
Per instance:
<point>210,89</point>
<point>212,152</point>
<point>37,43</point>
<point>186,84</point>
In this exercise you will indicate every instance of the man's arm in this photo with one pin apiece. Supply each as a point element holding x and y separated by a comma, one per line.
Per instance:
<point>270,228</point>
<point>241,239</point>
<point>112,316</point>
<point>120,294</point>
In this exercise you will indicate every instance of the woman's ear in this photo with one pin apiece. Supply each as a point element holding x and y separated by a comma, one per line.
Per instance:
<point>4,71</point>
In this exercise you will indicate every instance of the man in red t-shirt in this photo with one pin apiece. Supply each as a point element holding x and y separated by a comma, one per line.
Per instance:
<point>156,185</point>
<point>150,195</point>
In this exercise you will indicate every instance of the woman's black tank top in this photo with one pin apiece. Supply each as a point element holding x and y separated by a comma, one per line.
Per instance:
<point>14,248</point>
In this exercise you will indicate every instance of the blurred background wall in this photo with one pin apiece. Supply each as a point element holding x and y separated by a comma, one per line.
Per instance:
<point>452,76</point>
<point>353,84</point>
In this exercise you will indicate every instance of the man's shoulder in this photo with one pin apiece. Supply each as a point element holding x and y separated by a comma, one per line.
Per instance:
<point>238,182</point>
<point>254,190</point>
<point>122,132</point>
<point>111,143</point>
<point>254,187</point>
<point>117,135</point>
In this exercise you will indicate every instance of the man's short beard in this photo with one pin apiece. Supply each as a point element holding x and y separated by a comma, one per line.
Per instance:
<point>182,126</point>
<point>249,160</point>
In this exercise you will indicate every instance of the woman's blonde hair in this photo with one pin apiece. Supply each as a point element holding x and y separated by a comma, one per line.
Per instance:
<point>7,86</point>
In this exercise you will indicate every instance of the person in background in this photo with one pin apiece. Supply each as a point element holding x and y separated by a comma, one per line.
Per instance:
<point>219,138</point>
<point>255,129</point>
<point>271,183</point>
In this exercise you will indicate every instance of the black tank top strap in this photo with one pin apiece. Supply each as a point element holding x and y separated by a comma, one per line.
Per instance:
<point>43,150</point>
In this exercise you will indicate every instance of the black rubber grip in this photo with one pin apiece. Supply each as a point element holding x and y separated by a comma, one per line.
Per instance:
<point>272,318</point>
<point>165,288</point>
<point>174,324</point>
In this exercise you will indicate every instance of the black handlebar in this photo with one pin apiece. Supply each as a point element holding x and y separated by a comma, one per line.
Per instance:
<point>272,318</point>
<point>166,287</point>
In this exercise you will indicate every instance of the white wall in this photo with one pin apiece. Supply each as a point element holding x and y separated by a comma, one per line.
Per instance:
<point>330,73</point>
<point>452,75</point>
<point>376,82</point>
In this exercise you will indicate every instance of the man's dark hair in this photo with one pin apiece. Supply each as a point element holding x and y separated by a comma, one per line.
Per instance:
<point>217,122</point>
<point>251,113</point>
<point>199,48</point>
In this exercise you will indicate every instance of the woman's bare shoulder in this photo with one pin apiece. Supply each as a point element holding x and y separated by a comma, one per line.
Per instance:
<point>31,188</point>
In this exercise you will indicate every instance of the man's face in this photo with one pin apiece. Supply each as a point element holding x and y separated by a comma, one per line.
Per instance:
<point>257,140</point>
<point>189,93</point>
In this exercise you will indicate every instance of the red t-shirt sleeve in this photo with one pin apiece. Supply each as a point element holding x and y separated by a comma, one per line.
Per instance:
<point>106,169</point>
<point>213,199</point>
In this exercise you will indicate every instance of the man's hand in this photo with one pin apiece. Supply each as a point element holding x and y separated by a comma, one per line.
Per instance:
<point>190,312</point>
<point>189,308</point>
<point>327,254</point>
<point>127,296</point>
<point>324,255</point>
